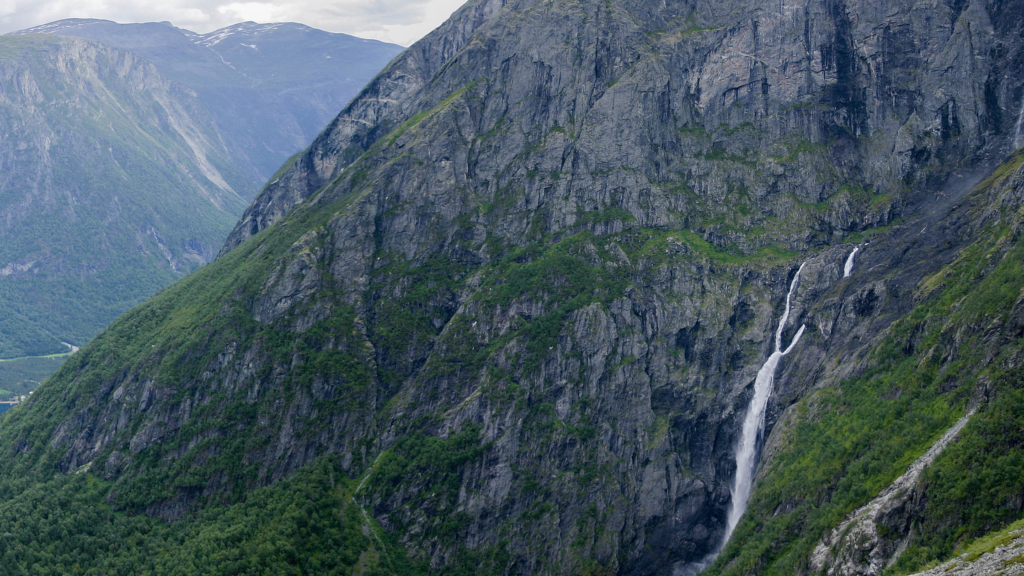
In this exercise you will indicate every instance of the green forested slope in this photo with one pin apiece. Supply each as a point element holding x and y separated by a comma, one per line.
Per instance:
<point>305,525</point>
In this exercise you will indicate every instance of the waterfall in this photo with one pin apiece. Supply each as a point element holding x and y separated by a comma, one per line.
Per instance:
<point>1018,138</point>
<point>753,423</point>
<point>848,267</point>
<point>753,427</point>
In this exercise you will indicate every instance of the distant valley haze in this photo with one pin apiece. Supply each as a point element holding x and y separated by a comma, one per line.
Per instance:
<point>126,171</point>
<point>399,21</point>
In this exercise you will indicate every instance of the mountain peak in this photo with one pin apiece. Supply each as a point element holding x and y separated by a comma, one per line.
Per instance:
<point>57,26</point>
<point>211,39</point>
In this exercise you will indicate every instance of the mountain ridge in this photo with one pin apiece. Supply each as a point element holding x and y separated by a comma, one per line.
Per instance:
<point>295,87</point>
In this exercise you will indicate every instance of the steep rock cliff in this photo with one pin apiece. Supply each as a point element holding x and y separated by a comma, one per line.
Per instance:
<point>522,285</point>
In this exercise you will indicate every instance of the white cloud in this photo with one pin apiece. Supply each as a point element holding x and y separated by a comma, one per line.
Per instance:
<point>399,21</point>
<point>7,7</point>
<point>418,20</point>
<point>255,11</point>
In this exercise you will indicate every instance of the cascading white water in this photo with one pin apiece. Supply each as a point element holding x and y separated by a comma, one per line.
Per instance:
<point>753,423</point>
<point>753,427</point>
<point>848,267</point>
<point>1018,138</point>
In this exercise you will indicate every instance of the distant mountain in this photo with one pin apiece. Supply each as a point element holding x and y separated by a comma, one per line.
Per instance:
<point>113,182</point>
<point>271,88</point>
<point>127,155</point>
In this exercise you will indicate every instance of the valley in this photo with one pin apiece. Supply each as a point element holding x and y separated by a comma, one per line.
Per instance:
<point>22,375</point>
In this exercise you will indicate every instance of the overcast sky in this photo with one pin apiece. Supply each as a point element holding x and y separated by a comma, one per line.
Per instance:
<point>399,21</point>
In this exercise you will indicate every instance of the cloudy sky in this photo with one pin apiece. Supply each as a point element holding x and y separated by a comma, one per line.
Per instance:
<point>399,21</point>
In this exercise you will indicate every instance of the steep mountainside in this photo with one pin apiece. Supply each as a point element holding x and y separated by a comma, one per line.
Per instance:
<point>271,88</point>
<point>113,183</point>
<point>507,313</point>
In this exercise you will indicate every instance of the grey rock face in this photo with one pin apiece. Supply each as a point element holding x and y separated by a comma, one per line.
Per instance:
<point>866,91</point>
<point>809,120</point>
<point>388,100</point>
<point>573,225</point>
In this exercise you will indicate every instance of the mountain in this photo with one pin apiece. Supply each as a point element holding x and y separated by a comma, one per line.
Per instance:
<point>114,183</point>
<point>561,277</point>
<point>270,88</point>
<point>142,186</point>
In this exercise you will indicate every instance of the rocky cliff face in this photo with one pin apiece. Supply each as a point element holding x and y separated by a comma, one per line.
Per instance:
<point>862,94</point>
<point>522,285</point>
